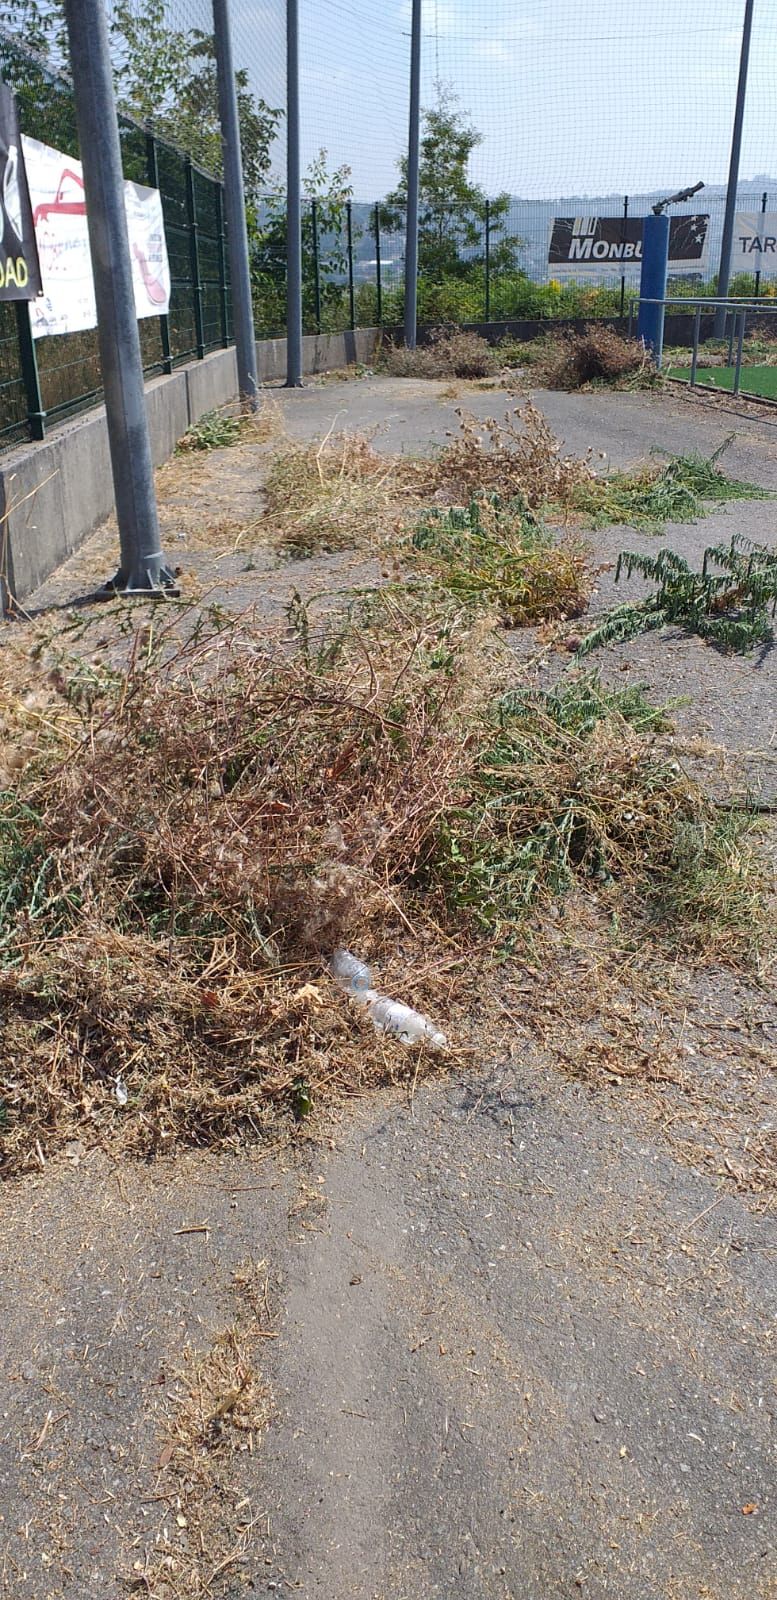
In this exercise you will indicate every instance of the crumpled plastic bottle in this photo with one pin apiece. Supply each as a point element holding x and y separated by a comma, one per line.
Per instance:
<point>387,1016</point>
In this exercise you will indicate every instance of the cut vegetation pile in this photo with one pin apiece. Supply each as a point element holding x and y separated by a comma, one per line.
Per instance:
<point>572,786</point>
<point>185,847</point>
<point>598,355</point>
<point>500,554</point>
<point>456,354</point>
<point>333,495</point>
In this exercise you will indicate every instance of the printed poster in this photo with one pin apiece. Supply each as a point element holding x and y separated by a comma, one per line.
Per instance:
<point>67,304</point>
<point>755,243</point>
<point>19,268</point>
<point>590,244</point>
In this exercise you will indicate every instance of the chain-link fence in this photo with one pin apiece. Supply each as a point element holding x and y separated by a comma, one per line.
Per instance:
<point>60,374</point>
<point>561,101</point>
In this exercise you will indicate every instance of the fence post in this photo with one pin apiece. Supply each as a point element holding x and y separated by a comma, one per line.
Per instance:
<point>316,265</point>
<point>293,203</point>
<point>152,167</point>
<point>194,250</point>
<point>488,261</point>
<point>623,241</point>
<point>764,198</point>
<point>724,273</point>
<point>740,343</point>
<point>224,302</point>
<point>695,354</point>
<point>234,199</point>
<point>413,160</point>
<point>36,415</point>
<point>349,225</point>
<point>378,280</point>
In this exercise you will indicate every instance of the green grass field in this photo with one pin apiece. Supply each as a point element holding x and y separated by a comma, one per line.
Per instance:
<point>753,380</point>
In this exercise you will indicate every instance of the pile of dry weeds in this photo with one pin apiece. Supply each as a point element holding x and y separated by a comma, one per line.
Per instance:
<point>175,871</point>
<point>596,355</point>
<point>447,354</point>
<point>333,495</point>
<point>518,458</point>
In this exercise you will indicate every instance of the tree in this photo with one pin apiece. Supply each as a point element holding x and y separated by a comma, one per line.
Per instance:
<point>168,78</point>
<point>452,209</point>
<point>331,192</point>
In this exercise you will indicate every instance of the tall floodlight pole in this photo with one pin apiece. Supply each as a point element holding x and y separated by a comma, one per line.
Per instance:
<point>142,568</point>
<point>413,161</point>
<point>293,203</point>
<point>234,206</point>
<point>724,275</point>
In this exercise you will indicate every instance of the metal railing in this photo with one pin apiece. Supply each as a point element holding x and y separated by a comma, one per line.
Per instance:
<point>736,315</point>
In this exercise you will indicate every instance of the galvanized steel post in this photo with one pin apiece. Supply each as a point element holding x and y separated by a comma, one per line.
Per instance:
<point>234,205</point>
<point>293,203</point>
<point>724,274</point>
<point>413,163</point>
<point>143,568</point>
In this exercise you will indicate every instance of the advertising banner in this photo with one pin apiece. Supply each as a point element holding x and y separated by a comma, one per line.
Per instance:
<point>755,243</point>
<point>67,303</point>
<point>19,269</point>
<point>608,245</point>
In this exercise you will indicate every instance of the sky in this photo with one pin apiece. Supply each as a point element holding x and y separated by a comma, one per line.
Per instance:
<point>571,97</point>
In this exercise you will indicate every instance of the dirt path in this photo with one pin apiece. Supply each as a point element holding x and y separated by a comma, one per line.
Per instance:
<point>521,1325</point>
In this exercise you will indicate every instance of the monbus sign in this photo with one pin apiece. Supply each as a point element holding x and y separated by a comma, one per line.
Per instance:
<point>585,244</point>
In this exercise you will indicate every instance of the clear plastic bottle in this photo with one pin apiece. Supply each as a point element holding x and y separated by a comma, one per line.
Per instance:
<point>411,1027</point>
<point>353,974</point>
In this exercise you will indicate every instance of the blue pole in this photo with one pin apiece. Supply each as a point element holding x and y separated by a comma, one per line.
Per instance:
<point>652,283</point>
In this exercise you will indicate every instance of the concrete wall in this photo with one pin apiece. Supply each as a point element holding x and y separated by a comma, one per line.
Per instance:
<point>53,494</point>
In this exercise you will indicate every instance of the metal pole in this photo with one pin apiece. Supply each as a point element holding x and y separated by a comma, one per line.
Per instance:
<point>487,263</point>
<point>349,228</point>
<point>724,273</point>
<point>293,203</point>
<point>36,416</point>
<point>143,568</point>
<point>764,198</point>
<point>413,163</point>
<point>695,355</point>
<point>623,241</point>
<point>316,266</point>
<point>378,282</point>
<point>740,343</point>
<point>652,287</point>
<point>234,205</point>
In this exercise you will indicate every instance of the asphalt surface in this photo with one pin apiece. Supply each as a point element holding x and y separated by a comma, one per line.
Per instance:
<point>523,1350</point>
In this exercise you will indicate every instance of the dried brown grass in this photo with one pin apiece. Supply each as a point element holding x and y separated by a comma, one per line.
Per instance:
<point>333,495</point>
<point>176,874</point>
<point>517,458</point>
<point>456,354</point>
<point>216,1412</point>
<point>596,355</point>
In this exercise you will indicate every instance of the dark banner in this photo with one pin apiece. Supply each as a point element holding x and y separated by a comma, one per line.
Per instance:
<point>589,242</point>
<point>19,269</point>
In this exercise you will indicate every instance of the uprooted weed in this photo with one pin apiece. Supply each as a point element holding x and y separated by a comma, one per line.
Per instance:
<point>598,354</point>
<point>217,429</point>
<point>571,787</point>
<point>517,458</point>
<point>730,603</point>
<point>447,354</point>
<point>653,494</point>
<point>333,495</point>
<point>502,554</point>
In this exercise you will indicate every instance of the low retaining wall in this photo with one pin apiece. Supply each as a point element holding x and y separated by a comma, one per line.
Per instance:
<point>53,494</point>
